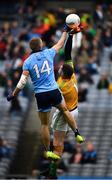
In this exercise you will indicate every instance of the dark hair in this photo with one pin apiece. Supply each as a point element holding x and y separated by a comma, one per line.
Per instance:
<point>67,71</point>
<point>35,44</point>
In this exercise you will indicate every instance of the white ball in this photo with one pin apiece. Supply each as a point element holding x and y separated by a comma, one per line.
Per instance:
<point>72,19</point>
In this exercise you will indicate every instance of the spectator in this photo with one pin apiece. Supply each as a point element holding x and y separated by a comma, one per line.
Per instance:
<point>5,150</point>
<point>110,88</point>
<point>42,26</point>
<point>103,82</point>
<point>76,157</point>
<point>14,37</point>
<point>2,79</point>
<point>90,155</point>
<point>110,67</point>
<point>3,46</point>
<point>107,37</point>
<point>15,107</point>
<point>82,92</point>
<point>8,87</point>
<point>68,146</point>
<point>110,156</point>
<point>85,77</point>
<point>68,150</point>
<point>62,168</point>
<point>109,13</point>
<point>40,164</point>
<point>61,16</point>
<point>92,66</point>
<point>98,15</point>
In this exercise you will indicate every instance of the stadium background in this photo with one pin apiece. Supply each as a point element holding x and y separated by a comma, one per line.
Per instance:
<point>92,55</point>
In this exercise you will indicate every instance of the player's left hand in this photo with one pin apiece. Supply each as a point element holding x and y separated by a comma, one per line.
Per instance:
<point>10,97</point>
<point>66,28</point>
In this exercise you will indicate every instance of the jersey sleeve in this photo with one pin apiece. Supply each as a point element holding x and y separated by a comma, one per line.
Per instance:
<point>68,48</point>
<point>26,66</point>
<point>67,51</point>
<point>52,52</point>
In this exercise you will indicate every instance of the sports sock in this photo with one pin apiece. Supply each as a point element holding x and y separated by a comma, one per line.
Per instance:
<point>76,131</point>
<point>53,169</point>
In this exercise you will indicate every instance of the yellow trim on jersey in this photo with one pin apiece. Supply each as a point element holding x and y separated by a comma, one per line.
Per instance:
<point>69,90</point>
<point>69,62</point>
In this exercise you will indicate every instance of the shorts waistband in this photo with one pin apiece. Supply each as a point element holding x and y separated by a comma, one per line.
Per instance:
<point>73,109</point>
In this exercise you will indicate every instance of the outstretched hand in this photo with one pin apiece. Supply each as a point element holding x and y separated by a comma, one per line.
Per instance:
<point>10,97</point>
<point>66,28</point>
<point>73,29</point>
<point>76,29</point>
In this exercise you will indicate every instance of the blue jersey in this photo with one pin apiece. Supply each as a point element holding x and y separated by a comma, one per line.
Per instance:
<point>41,69</point>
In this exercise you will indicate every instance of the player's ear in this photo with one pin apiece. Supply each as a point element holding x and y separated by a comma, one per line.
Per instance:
<point>60,70</point>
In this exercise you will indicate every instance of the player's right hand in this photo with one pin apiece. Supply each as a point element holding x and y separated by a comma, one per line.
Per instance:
<point>66,28</point>
<point>81,27</point>
<point>10,97</point>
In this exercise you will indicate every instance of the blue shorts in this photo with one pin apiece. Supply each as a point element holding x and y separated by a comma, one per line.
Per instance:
<point>46,100</point>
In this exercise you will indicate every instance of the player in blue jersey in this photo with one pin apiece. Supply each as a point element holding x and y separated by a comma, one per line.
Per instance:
<point>39,66</point>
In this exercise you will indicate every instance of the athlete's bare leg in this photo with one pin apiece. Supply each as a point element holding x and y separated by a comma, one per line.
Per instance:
<point>58,142</point>
<point>70,120</point>
<point>68,117</point>
<point>45,135</point>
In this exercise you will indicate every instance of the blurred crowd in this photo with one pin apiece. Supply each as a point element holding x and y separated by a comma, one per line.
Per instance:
<point>6,151</point>
<point>48,24</point>
<point>73,154</point>
<point>80,155</point>
<point>87,49</point>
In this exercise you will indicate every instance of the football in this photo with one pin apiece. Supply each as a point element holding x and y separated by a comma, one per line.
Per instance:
<point>72,20</point>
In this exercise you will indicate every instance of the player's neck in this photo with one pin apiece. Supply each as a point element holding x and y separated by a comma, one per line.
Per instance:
<point>64,78</point>
<point>36,51</point>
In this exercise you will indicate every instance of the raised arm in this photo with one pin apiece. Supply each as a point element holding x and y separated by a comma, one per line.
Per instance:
<point>61,42</point>
<point>68,46</point>
<point>68,49</point>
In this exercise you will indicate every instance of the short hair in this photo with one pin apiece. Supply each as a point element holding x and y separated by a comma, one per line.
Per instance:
<point>67,71</point>
<point>35,44</point>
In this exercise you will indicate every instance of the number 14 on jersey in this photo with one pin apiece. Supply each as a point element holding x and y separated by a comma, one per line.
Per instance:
<point>44,69</point>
